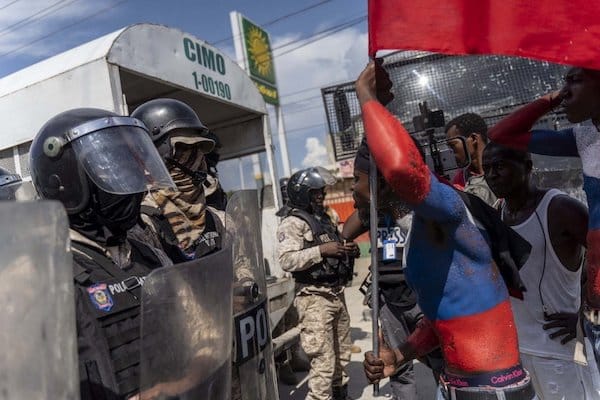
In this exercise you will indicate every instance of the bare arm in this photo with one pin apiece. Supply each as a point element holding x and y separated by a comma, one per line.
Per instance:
<point>568,226</point>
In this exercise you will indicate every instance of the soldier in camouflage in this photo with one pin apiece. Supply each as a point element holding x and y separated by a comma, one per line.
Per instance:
<point>311,249</point>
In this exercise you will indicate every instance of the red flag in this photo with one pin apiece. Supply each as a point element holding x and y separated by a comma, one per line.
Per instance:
<point>562,31</point>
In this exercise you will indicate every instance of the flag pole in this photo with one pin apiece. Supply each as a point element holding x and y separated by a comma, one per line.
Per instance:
<point>374,264</point>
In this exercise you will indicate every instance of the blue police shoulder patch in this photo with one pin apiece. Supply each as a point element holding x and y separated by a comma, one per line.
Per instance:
<point>100,297</point>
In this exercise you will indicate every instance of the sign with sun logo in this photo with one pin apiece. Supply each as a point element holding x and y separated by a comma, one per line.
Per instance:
<point>258,57</point>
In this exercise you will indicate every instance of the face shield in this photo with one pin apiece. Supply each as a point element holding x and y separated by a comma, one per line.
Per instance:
<point>317,178</point>
<point>119,156</point>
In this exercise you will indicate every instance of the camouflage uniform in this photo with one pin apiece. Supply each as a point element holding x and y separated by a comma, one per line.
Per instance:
<point>323,317</point>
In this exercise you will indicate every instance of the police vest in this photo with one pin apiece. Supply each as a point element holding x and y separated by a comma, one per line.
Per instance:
<point>207,243</point>
<point>392,283</point>
<point>108,320</point>
<point>331,271</point>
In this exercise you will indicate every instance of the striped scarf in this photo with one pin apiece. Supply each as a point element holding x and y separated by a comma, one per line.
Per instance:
<point>185,209</point>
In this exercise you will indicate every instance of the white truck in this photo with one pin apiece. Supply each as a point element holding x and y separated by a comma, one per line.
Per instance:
<point>122,70</point>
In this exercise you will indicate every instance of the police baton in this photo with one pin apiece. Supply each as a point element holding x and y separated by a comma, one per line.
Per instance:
<point>374,264</point>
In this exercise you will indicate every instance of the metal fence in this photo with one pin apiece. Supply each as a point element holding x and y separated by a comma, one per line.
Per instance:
<point>491,86</point>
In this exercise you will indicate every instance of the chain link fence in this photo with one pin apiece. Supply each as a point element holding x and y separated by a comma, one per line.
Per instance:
<point>491,86</point>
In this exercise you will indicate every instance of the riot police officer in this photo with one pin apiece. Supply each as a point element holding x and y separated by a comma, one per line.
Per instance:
<point>188,228</point>
<point>99,165</point>
<point>311,249</point>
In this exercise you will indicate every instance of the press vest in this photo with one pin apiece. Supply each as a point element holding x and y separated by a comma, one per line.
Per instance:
<point>551,286</point>
<point>392,283</point>
<point>331,271</point>
<point>108,320</point>
<point>207,243</point>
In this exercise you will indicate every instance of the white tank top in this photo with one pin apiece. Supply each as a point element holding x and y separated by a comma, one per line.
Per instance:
<point>551,287</point>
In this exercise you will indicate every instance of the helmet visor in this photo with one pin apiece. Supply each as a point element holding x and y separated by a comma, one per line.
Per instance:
<point>316,178</point>
<point>328,177</point>
<point>122,160</point>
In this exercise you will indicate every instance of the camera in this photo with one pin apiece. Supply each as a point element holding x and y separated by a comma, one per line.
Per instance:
<point>439,156</point>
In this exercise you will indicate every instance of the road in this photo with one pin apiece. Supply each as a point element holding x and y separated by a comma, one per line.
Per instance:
<point>361,336</point>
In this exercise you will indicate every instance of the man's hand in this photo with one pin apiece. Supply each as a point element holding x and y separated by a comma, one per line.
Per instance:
<point>339,250</point>
<point>377,368</point>
<point>374,84</point>
<point>567,324</point>
<point>353,249</point>
<point>555,98</point>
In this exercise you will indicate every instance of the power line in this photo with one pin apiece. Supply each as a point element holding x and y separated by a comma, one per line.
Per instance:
<point>315,37</point>
<point>325,33</point>
<point>274,21</point>
<point>304,128</point>
<point>311,88</point>
<point>9,4</point>
<point>339,29</point>
<point>281,18</point>
<point>300,91</point>
<point>302,100</point>
<point>303,109</point>
<point>47,35</point>
<point>28,20</point>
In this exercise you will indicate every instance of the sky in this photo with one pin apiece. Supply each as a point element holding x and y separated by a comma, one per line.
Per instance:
<point>33,30</point>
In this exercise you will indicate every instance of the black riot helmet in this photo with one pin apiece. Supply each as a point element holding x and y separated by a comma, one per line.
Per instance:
<point>303,181</point>
<point>171,121</point>
<point>283,183</point>
<point>11,185</point>
<point>84,149</point>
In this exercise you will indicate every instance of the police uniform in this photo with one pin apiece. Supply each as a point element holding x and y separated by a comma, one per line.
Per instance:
<point>323,317</point>
<point>107,297</point>
<point>103,201</point>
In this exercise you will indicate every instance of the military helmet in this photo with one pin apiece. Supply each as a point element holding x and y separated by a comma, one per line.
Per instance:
<point>9,184</point>
<point>303,181</point>
<point>7,178</point>
<point>85,146</point>
<point>170,121</point>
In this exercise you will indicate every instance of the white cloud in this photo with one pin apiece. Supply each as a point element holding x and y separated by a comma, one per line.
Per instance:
<point>335,59</point>
<point>316,153</point>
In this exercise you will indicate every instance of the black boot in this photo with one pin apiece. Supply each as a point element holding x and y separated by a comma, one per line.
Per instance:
<point>340,393</point>
<point>286,374</point>
<point>299,360</point>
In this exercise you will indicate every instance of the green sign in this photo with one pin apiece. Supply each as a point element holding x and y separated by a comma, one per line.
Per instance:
<point>260,60</point>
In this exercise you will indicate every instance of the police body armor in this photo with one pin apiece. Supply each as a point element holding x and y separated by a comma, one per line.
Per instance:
<point>392,283</point>
<point>331,271</point>
<point>108,312</point>
<point>207,243</point>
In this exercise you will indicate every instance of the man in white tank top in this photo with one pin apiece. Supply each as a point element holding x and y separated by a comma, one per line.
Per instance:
<point>556,226</point>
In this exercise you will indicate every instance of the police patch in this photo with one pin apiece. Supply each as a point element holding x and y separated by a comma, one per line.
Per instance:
<point>281,237</point>
<point>100,297</point>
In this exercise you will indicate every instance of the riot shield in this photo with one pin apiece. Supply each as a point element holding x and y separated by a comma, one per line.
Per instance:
<point>186,330</point>
<point>254,375</point>
<point>38,351</point>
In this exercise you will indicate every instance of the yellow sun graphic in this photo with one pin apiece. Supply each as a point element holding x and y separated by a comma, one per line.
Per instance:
<point>258,47</point>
